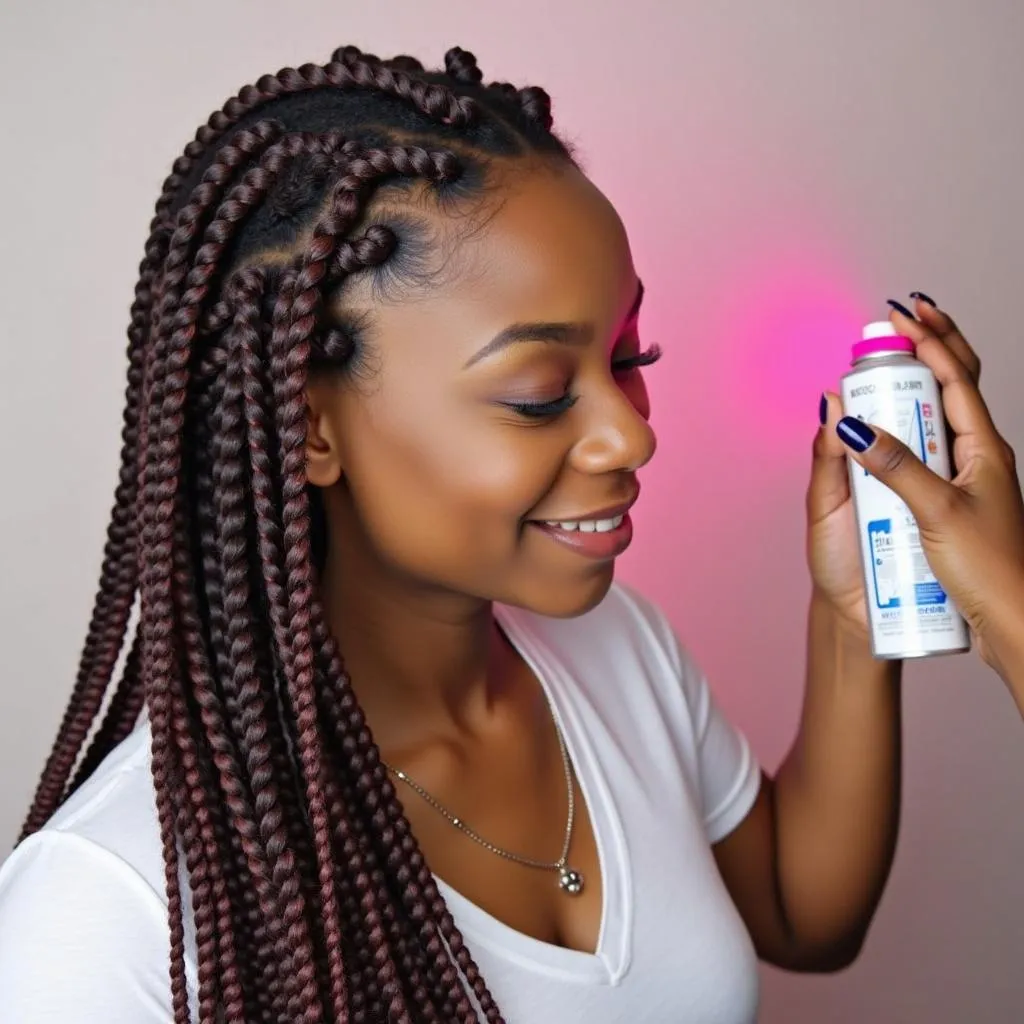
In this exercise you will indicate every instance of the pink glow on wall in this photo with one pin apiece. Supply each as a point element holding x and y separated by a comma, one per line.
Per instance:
<point>787,338</point>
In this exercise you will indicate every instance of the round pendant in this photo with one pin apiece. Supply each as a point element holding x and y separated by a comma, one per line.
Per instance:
<point>570,881</point>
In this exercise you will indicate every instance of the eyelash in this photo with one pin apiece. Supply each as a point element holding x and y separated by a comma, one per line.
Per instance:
<point>548,410</point>
<point>646,358</point>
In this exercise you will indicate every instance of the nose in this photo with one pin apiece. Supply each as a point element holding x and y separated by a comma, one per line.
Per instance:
<point>617,437</point>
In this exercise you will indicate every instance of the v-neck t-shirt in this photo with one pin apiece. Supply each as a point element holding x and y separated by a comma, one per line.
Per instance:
<point>83,912</point>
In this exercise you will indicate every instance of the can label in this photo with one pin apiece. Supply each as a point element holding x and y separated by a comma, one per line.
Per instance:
<point>910,614</point>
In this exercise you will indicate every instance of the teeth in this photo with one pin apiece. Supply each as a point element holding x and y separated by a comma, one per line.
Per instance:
<point>588,525</point>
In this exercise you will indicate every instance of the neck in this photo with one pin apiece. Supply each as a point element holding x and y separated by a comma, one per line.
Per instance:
<point>423,663</point>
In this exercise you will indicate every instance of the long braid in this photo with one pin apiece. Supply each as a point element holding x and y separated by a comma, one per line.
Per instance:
<point>176,328</point>
<point>288,898</point>
<point>217,714</point>
<point>119,575</point>
<point>293,342</point>
<point>359,941</point>
<point>121,715</point>
<point>159,656</point>
<point>310,898</point>
<point>116,590</point>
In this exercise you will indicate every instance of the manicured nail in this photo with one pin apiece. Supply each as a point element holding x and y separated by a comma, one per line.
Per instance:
<point>823,410</point>
<point>855,433</point>
<point>923,298</point>
<point>900,308</point>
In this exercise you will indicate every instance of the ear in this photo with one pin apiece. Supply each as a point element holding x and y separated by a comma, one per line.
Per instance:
<point>323,452</point>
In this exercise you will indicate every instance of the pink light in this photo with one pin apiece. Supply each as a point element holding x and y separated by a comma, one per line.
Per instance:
<point>787,337</point>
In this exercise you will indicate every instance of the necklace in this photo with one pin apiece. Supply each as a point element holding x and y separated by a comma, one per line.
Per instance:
<point>569,880</point>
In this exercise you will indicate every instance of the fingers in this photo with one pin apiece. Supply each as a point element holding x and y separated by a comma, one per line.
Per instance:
<point>830,481</point>
<point>965,409</point>
<point>927,495</point>
<point>942,326</point>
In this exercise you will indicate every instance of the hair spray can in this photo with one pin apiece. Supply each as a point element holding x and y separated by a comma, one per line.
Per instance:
<point>910,614</point>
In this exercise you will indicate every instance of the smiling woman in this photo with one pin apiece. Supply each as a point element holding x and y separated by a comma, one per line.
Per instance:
<point>388,743</point>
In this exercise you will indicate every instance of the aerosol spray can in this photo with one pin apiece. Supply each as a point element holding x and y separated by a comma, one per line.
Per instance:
<point>910,614</point>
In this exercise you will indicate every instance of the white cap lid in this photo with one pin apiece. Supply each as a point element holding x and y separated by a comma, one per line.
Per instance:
<point>879,329</point>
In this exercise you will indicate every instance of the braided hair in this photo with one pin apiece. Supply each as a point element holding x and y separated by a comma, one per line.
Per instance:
<point>310,898</point>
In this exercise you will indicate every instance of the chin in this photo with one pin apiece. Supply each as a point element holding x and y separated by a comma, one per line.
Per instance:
<point>567,599</point>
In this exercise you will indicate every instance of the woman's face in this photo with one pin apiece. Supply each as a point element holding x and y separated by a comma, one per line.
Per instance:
<point>501,402</point>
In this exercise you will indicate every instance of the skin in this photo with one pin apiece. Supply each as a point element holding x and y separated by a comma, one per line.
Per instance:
<point>430,483</point>
<point>972,529</point>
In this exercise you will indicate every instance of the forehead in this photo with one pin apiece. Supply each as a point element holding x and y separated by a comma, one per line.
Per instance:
<point>555,242</point>
<point>544,245</point>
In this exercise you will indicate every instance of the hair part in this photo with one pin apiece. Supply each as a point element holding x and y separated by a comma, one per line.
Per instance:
<point>310,897</point>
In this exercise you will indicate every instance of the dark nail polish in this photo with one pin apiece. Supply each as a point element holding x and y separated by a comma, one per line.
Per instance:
<point>823,410</point>
<point>923,298</point>
<point>900,308</point>
<point>855,433</point>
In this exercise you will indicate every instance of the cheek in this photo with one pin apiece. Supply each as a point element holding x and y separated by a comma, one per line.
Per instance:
<point>444,481</point>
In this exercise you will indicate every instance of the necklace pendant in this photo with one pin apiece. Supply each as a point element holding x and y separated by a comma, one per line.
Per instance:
<point>570,881</point>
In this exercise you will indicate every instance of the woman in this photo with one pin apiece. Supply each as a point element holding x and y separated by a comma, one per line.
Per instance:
<point>384,423</point>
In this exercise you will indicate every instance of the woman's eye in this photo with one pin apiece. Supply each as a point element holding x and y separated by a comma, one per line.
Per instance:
<point>555,407</point>
<point>628,363</point>
<point>543,410</point>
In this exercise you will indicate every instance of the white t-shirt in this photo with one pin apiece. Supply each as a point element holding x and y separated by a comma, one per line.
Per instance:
<point>83,927</point>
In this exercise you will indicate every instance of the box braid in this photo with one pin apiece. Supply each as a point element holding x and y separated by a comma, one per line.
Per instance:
<point>310,898</point>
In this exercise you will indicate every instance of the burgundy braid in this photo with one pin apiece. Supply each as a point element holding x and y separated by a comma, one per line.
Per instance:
<point>310,899</point>
<point>245,860</point>
<point>176,327</point>
<point>118,721</point>
<point>119,574</point>
<point>359,942</point>
<point>293,341</point>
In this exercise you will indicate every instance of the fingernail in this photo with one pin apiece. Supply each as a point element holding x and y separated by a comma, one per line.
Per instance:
<point>924,298</point>
<point>823,410</point>
<point>900,308</point>
<point>855,433</point>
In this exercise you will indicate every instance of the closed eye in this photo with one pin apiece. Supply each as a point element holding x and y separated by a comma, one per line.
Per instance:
<point>557,406</point>
<point>543,410</point>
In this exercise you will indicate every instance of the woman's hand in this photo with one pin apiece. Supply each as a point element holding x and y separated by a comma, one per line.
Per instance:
<point>972,530</point>
<point>833,549</point>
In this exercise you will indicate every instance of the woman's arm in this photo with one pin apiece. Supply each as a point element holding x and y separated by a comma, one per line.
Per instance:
<point>807,867</point>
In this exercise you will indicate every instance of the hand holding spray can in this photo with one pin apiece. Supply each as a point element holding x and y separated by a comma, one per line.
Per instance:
<point>910,614</point>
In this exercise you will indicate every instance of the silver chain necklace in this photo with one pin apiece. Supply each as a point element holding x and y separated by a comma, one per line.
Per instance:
<point>569,880</point>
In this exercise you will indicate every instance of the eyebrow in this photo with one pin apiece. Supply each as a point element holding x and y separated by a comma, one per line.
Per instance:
<point>559,333</point>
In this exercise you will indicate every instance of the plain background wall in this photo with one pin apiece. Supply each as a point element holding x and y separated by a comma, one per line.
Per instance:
<point>783,168</point>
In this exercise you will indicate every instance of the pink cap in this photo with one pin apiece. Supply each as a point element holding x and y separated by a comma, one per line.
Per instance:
<point>880,336</point>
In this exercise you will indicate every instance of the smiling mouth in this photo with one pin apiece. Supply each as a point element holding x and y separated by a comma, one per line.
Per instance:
<point>586,525</point>
<point>602,538</point>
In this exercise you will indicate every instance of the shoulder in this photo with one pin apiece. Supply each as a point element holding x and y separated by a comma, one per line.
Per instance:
<point>626,632</point>
<point>115,810</point>
<point>83,920</point>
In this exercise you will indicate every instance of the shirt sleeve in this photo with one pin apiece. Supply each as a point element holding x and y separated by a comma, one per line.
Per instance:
<point>83,938</point>
<point>728,773</point>
<point>730,776</point>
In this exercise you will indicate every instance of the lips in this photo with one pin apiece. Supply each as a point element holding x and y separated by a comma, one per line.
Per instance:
<point>602,534</point>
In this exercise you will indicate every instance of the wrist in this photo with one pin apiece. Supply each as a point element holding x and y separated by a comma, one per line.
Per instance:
<point>1002,637</point>
<point>846,628</point>
<point>843,640</point>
